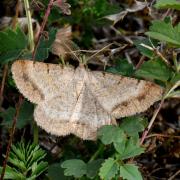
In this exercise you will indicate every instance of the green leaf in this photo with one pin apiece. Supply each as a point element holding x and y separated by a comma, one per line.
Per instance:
<point>130,172</point>
<point>164,31</point>
<point>109,169</point>
<point>144,50</point>
<point>133,125</point>
<point>11,173</point>
<point>39,168</point>
<point>55,172</point>
<point>93,168</point>
<point>128,149</point>
<point>122,67</point>
<point>13,42</point>
<point>25,115</point>
<point>154,69</point>
<point>110,134</point>
<point>45,45</point>
<point>166,4</point>
<point>74,167</point>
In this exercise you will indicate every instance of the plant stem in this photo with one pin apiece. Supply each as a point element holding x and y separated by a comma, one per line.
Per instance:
<point>42,27</point>
<point>94,156</point>
<point>30,28</point>
<point>145,133</point>
<point>35,133</point>
<point>11,136</point>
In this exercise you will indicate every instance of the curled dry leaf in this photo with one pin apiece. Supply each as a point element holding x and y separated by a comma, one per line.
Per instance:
<point>23,23</point>
<point>63,5</point>
<point>137,6</point>
<point>80,101</point>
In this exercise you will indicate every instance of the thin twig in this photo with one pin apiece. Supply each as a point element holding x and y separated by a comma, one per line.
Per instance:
<point>42,27</point>
<point>162,135</point>
<point>145,133</point>
<point>172,177</point>
<point>140,62</point>
<point>11,136</point>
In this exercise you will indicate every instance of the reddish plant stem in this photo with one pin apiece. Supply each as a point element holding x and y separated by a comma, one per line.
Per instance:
<point>11,136</point>
<point>140,62</point>
<point>42,27</point>
<point>145,133</point>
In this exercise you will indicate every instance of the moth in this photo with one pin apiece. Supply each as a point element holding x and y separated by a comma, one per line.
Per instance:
<point>78,100</point>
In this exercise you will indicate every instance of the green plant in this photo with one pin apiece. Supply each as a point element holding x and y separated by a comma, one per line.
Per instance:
<point>26,161</point>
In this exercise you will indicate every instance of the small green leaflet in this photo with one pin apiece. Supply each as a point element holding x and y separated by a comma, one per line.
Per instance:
<point>55,172</point>
<point>133,125</point>
<point>45,45</point>
<point>111,134</point>
<point>109,169</point>
<point>25,115</point>
<point>13,43</point>
<point>143,44</point>
<point>128,149</point>
<point>130,172</point>
<point>154,69</point>
<point>78,168</point>
<point>122,67</point>
<point>166,4</point>
<point>164,31</point>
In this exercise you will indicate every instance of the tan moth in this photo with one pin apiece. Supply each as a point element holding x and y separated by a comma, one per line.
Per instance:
<point>80,101</point>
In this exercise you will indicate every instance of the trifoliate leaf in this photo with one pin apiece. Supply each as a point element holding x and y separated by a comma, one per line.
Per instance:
<point>130,172</point>
<point>166,4</point>
<point>111,134</point>
<point>154,69</point>
<point>74,167</point>
<point>164,31</point>
<point>129,149</point>
<point>109,169</point>
<point>13,42</point>
<point>133,125</point>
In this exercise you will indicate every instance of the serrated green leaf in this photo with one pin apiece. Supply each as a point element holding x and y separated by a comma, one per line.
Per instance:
<point>130,172</point>
<point>45,45</point>
<point>165,32</point>
<point>154,69</point>
<point>10,49</point>
<point>122,67</point>
<point>55,172</point>
<point>74,167</point>
<point>128,149</point>
<point>133,125</point>
<point>110,134</point>
<point>93,168</point>
<point>109,169</point>
<point>166,4</point>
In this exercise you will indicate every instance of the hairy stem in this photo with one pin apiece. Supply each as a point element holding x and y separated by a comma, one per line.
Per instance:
<point>11,136</point>
<point>43,26</point>
<point>30,28</point>
<point>94,156</point>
